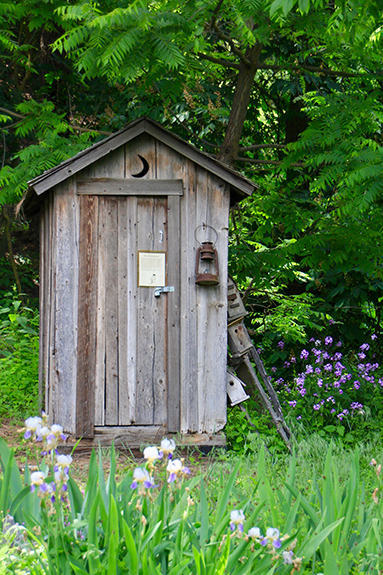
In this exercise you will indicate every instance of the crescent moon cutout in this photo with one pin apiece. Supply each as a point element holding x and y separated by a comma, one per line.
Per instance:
<point>145,168</point>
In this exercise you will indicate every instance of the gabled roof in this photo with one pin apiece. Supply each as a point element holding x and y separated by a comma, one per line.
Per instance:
<point>240,186</point>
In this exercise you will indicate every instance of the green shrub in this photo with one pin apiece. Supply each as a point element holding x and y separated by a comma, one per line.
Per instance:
<point>19,359</point>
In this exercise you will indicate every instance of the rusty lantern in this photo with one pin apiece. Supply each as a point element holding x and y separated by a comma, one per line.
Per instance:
<point>206,268</point>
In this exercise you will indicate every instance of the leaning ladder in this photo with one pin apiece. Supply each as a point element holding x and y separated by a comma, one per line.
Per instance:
<point>242,352</point>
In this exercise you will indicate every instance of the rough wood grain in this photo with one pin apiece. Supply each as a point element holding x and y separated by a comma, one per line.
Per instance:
<point>140,436</point>
<point>159,312</point>
<point>170,164</point>
<point>111,166</point>
<point>67,242</point>
<point>213,210</point>
<point>189,359</point>
<point>129,417</point>
<point>86,362</point>
<point>216,313</point>
<point>42,335</point>
<point>99,417</point>
<point>119,187</point>
<point>148,338</point>
<point>51,291</point>
<point>122,295</point>
<point>111,311</point>
<point>173,315</point>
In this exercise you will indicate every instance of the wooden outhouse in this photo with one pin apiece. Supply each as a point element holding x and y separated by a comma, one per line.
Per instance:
<point>130,346</point>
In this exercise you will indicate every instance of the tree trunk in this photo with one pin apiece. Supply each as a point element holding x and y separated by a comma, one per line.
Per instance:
<point>229,150</point>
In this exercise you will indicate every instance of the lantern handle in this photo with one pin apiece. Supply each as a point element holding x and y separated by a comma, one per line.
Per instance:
<point>204,227</point>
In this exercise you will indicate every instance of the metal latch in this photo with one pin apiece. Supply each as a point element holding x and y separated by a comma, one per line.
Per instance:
<point>159,290</point>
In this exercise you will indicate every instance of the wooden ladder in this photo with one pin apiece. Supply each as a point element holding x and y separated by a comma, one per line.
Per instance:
<point>242,353</point>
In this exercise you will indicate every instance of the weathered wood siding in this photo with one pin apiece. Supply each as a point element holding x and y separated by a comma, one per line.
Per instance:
<point>89,247</point>
<point>59,303</point>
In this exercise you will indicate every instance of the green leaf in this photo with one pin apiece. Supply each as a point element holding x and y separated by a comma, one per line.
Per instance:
<point>131,548</point>
<point>204,529</point>
<point>5,491</point>
<point>275,6</point>
<point>304,6</point>
<point>75,498</point>
<point>287,6</point>
<point>113,537</point>
<point>330,564</point>
<point>313,543</point>
<point>220,569</point>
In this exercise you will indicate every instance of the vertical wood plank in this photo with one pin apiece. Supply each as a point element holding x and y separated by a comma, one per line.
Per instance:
<point>113,165</point>
<point>122,294</point>
<point>214,384</point>
<point>51,351</point>
<point>151,339</point>
<point>130,356</point>
<point>42,300</point>
<point>111,311</point>
<point>173,314</point>
<point>141,335</point>
<point>159,315</point>
<point>99,417</point>
<point>171,165</point>
<point>189,396</point>
<point>145,336</point>
<point>86,362</point>
<point>67,269</point>
<point>205,298</point>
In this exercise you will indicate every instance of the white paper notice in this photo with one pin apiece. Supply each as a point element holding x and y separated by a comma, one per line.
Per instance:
<point>151,269</point>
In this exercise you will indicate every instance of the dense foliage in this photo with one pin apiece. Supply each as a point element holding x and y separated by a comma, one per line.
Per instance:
<point>19,358</point>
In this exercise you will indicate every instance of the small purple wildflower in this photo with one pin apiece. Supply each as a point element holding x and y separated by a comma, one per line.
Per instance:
<point>356,405</point>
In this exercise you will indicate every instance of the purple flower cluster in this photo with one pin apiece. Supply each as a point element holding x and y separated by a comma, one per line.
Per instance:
<point>330,385</point>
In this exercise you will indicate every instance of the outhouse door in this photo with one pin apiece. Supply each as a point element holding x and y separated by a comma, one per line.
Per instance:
<point>129,332</point>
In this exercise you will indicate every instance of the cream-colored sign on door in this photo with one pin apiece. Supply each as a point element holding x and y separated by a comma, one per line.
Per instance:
<point>151,269</point>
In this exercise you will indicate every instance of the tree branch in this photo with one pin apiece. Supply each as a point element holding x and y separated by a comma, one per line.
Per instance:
<point>273,162</point>
<point>12,113</point>
<point>262,147</point>
<point>78,129</point>
<point>300,69</point>
<point>219,61</point>
<point>215,11</point>
<point>317,70</point>
<point>233,47</point>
